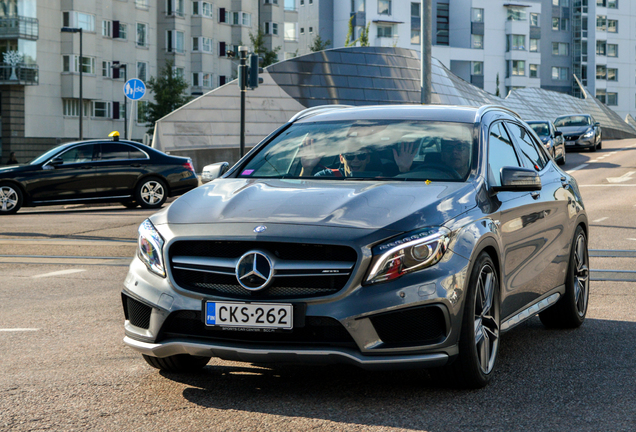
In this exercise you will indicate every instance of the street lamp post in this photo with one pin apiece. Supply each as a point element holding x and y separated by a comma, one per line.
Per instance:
<point>81,66</point>
<point>242,75</point>
<point>119,67</point>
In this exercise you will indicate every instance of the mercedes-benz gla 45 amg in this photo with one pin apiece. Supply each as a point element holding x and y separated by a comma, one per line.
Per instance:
<point>384,237</point>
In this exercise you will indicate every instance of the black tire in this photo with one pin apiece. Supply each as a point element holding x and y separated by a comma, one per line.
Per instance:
<point>570,310</point>
<point>593,148</point>
<point>562,160</point>
<point>11,198</point>
<point>473,367</point>
<point>600,144</point>
<point>177,363</point>
<point>130,204</point>
<point>151,192</point>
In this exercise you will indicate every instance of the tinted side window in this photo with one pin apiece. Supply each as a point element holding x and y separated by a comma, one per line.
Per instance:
<point>137,154</point>
<point>501,153</point>
<point>83,153</point>
<point>528,147</point>
<point>114,151</point>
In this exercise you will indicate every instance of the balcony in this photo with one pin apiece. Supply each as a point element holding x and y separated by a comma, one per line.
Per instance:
<point>20,74</point>
<point>389,41</point>
<point>19,28</point>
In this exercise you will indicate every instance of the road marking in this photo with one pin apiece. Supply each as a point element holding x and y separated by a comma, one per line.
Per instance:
<point>602,253</point>
<point>625,177</point>
<point>18,329</point>
<point>631,239</point>
<point>67,242</point>
<point>58,273</point>
<point>609,185</point>
<point>577,168</point>
<point>601,219</point>
<point>613,275</point>
<point>64,260</point>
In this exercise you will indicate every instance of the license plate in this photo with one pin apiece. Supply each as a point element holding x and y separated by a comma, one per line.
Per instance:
<point>249,315</point>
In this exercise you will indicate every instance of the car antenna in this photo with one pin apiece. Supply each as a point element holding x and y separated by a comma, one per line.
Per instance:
<point>114,135</point>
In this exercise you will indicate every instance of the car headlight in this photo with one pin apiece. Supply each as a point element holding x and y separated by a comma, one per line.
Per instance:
<point>407,253</point>
<point>150,248</point>
<point>589,133</point>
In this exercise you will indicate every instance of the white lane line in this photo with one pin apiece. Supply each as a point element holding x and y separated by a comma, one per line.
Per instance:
<point>577,168</point>
<point>631,239</point>
<point>601,219</point>
<point>609,185</point>
<point>58,273</point>
<point>18,329</point>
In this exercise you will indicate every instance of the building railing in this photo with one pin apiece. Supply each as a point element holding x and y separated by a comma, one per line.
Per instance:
<point>19,28</point>
<point>20,74</point>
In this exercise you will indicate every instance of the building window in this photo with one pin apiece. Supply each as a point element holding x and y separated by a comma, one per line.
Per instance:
<point>612,50</point>
<point>565,24</point>
<point>223,79</point>
<point>106,69</point>
<point>221,49</point>
<point>289,55</point>
<point>385,31</point>
<point>442,24</point>
<point>270,2</point>
<point>477,68</point>
<point>555,23</point>
<point>602,3</point>
<point>612,74</point>
<point>516,43</point>
<point>516,14</point>
<point>101,109</point>
<point>78,19</point>
<point>202,44</point>
<point>516,68</point>
<point>120,30</point>
<point>201,79</point>
<point>612,99</point>
<point>477,14</point>
<point>271,28</point>
<point>612,26</point>
<point>174,41</point>
<point>384,7</point>
<point>560,48</point>
<point>302,30</point>
<point>534,19</point>
<point>142,71</point>
<point>70,63</point>
<point>477,41</point>
<point>106,28</point>
<point>415,22</point>
<point>601,47</point>
<point>311,30</point>
<point>174,7</point>
<point>142,4</point>
<point>241,18</point>
<point>601,72</point>
<point>601,95</point>
<point>612,4</point>
<point>560,73</point>
<point>142,111</point>
<point>71,107</point>
<point>534,45</point>
<point>196,79</point>
<point>534,71</point>
<point>178,72</point>
<point>142,35</point>
<point>202,8</point>
<point>601,23</point>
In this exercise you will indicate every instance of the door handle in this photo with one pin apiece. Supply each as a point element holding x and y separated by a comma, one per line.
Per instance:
<point>535,195</point>
<point>135,165</point>
<point>86,167</point>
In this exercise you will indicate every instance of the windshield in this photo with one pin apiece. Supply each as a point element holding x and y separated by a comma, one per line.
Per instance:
<point>541,129</point>
<point>381,150</point>
<point>46,156</point>
<point>573,121</point>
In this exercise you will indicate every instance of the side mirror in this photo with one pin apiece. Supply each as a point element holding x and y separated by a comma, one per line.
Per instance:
<point>213,171</point>
<point>558,133</point>
<point>56,161</point>
<point>516,179</point>
<point>597,124</point>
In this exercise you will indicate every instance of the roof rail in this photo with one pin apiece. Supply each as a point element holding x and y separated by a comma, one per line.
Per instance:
<point>485,108</point>
<point>315,110</point>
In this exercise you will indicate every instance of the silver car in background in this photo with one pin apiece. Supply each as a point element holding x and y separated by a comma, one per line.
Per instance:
<point>580,131</point>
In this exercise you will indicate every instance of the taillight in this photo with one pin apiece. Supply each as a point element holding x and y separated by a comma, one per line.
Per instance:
<point>188,165</point>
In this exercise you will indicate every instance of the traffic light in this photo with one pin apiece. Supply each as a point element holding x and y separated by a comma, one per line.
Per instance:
<point>254,69</point>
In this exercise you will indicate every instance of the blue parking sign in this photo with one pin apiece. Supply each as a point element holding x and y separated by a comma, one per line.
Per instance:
<point>134,89</point>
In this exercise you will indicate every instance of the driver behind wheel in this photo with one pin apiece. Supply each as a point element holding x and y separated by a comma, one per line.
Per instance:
<point>456,155</point>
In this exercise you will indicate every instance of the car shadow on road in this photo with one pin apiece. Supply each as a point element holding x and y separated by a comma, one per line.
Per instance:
<point>545,380</point>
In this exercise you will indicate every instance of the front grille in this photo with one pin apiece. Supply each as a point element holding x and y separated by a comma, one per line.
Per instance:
<point>424,325</point>
<point>137,313</point>
<point>316,331</point>
<point>207,267</point>
<point>572,137</point>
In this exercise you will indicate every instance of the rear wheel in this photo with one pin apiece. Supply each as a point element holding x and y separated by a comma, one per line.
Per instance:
<point>570,310</point>
<point>177,363</point>
<point>479,337</point>
<point>10,198</point>
<point>151,193</point>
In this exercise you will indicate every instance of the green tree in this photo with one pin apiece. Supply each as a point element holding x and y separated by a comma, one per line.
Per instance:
<point>319,45</point>
<point>258,46</point>
<point>364,36</point>
<point>350,41</point>
<point>497,85</point>
<point>169,94</point>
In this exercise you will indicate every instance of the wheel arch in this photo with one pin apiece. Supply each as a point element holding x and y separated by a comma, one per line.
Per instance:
<point>26,198</point>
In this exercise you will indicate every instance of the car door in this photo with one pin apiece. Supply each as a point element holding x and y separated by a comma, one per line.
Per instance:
<point>552,258</point>
<point>118,167</point>
<point>69,181</point>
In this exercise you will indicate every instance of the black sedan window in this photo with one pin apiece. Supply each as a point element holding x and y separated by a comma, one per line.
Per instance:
<point>83,153</point>
<point>119,151</point>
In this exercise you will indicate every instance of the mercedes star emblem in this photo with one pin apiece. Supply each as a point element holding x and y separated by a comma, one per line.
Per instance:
<point>260,229</point>
<point>254,271</point>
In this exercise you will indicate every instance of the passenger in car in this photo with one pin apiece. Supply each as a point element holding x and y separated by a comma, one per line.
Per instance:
<point>456,155</point>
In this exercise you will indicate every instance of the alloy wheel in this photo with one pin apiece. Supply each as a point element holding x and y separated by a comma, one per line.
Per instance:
<point>486,319</point>
<point>8,198</point>
<point>152,192</point>
<point>581,276</point>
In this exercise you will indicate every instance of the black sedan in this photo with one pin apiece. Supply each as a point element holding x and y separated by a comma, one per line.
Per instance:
<point>96,171</point>
<point>384,237</point>
<point>551,138</point>
<point>580,131</point>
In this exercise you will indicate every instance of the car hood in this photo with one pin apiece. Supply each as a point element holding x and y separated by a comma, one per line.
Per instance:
<point>398,206</point>
<point>11,169</point>
<point>569,130</point>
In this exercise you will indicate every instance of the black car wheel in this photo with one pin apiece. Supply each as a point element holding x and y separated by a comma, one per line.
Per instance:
<point>10,198</point>
<point>600,144</point>
<point>570,310</point>
<point>177,363</point>
<point>151,193</point>
<point>479,337</point>
<point>561,161</point>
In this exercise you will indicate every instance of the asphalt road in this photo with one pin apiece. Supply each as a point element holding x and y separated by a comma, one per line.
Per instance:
<point>63,365</point>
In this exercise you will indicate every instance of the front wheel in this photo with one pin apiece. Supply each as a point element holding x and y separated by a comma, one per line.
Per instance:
<point>600,144</point>
<point>177,363</point>
<point>10,198</point>
<point>479,337</point>
<point>151,193</point>
<point>570,310</point>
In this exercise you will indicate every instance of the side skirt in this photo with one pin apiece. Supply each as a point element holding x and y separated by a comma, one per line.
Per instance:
<point>541,304</point>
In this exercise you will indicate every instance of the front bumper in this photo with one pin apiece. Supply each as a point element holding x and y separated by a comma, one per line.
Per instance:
<point>580,143</point>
